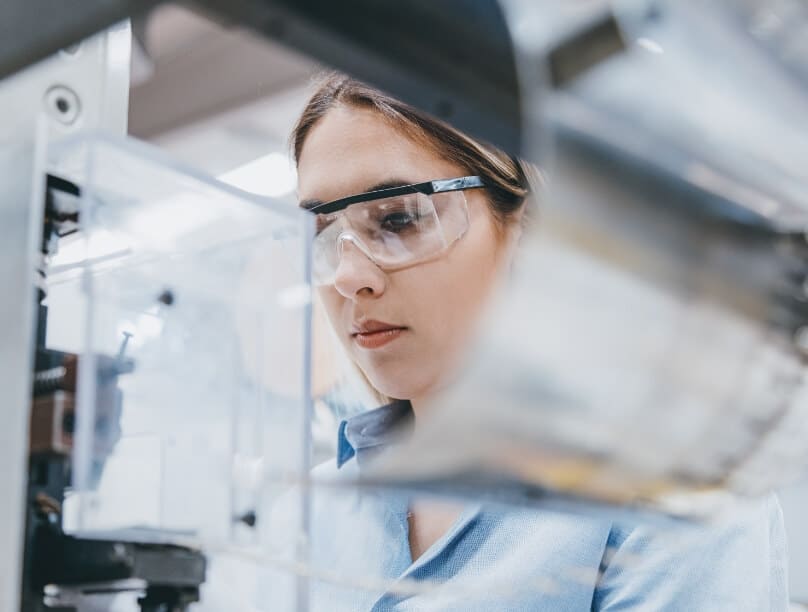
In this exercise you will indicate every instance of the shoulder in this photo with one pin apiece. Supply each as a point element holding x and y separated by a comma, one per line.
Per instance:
<point>736,563</point>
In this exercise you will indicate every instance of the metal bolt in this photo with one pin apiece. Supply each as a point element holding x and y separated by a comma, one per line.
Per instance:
<point>62,104</point>
<point>48,381</point>
<point>124,343</point>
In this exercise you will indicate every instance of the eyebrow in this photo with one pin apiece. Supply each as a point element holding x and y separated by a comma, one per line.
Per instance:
<point>387,184</point>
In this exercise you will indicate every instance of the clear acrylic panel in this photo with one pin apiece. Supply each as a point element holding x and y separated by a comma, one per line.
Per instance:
<point>189,304</point>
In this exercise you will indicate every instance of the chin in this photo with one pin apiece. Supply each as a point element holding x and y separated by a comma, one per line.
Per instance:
<point>389,388</point>
<point>395,383</point>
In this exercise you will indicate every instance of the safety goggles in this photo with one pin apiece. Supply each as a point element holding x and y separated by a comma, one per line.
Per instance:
<point>394,228</point>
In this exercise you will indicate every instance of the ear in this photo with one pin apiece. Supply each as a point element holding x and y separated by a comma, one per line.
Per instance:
<point>511,239</point>
<point>513,235</point>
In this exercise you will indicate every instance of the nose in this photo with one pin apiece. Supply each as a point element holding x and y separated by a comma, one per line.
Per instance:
<point>356,274</point>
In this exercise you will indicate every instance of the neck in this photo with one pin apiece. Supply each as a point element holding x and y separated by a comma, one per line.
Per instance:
<point>419,406</point>
<point>423,402</point>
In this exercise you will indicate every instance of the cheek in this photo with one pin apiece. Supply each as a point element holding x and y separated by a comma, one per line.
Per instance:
<point>332,302</point>
<point>452,291</point>
<point>481,267</point>
<point>463,300</point>
<point>476,263</point>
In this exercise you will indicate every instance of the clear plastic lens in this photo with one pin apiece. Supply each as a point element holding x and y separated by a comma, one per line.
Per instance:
<point>393,232</point>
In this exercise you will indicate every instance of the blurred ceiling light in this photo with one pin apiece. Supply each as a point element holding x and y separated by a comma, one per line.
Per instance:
<point>271,175</point>
<point>650,45</point>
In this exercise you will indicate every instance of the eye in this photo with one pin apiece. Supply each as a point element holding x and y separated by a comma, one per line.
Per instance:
<point>399,221</point>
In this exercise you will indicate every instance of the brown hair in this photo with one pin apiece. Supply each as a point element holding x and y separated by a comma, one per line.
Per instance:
<point>508,179</point>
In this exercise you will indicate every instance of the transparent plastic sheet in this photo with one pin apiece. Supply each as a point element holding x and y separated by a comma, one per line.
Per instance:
<point>189,304</point>
<point>646,352</point>
<point>697,95</point>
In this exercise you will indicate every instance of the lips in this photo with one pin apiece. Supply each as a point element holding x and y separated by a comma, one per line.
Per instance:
<point>372,334</point>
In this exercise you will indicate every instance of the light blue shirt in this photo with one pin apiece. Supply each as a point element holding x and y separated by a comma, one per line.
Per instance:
<point>519,560</point>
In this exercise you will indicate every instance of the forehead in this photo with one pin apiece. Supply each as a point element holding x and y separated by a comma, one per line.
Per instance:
<point>351,149</point>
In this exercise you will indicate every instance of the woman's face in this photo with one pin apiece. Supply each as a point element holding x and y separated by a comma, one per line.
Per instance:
<point>427,310</point>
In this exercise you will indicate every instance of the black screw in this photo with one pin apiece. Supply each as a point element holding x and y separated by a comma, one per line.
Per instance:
<point>166,297</point>
<point>249,518</point>
<point>62,105</point>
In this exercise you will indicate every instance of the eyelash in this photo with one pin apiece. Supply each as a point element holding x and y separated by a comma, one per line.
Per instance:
<point>411,218</point>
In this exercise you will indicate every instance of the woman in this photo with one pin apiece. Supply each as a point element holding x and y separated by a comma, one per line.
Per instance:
<point>403,274</point>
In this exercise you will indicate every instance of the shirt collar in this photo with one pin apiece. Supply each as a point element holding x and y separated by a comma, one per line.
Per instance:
<point>364,435</point>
